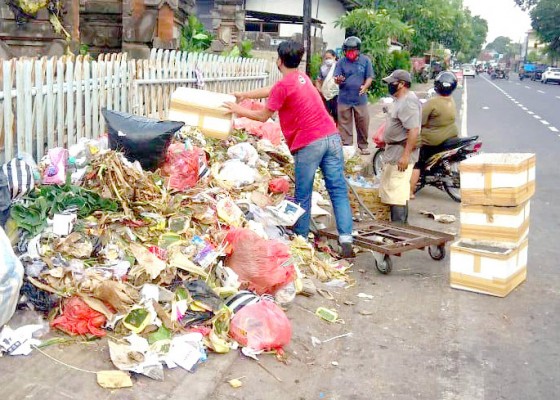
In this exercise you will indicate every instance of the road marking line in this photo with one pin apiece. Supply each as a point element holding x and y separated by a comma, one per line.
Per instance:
<point>518,84</point>
<point>536,116</point>
<point>553,129</point>
<point>540,91</point>
<point>558,97</point>
<point>520,105</point>
<point>527,87</point>
<point>524,108</point>
<point>544,122</point>
<point>464,111</point>
<point>530,113</point>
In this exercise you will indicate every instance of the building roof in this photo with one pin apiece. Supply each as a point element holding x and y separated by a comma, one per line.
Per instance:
<point>278,18</point>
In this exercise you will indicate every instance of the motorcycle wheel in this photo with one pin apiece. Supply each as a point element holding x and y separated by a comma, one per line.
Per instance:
<point>378,162</point>
<point>454,190</point>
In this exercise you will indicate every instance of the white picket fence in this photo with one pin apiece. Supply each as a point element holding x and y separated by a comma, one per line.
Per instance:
<point>50,102</point>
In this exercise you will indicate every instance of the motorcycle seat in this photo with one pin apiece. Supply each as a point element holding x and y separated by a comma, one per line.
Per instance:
<point>457,142</point>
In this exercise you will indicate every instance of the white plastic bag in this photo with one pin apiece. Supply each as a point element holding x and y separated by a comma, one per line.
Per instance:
<point>11,279</point>
<point>244,152</point>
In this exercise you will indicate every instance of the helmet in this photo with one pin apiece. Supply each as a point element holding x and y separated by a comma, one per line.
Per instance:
<point>352,42</point>
<point>445,83</point>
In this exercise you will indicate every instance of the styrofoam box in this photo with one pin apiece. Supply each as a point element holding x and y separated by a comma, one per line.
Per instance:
<point>491,223</point>
<point>498,179</point>
<point>488,267</point>
<point>203,109</point>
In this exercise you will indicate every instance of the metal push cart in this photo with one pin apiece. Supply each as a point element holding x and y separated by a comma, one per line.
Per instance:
<point>386,239</point>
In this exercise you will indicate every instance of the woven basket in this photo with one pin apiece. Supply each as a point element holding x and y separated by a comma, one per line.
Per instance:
<point>370,198</point>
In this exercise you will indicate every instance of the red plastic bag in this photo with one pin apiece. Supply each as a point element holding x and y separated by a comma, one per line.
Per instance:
<point>264,130</point>
<point>252,105</point>
<point>78,318</point>
<point>182,166</point>
<point>264,265</point>
<point>379,138</point>
<point>261,326</point>
<point>279,185</point>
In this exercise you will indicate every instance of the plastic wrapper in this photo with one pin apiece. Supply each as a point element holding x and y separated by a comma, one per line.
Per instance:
<point>182,166</point>
<point>244,152</point>
<point>264,265</point>
<point>261,326</point>
<point>141,139</point>
<point>78,318</point>
<point>11,275</point>
<point>55,172</point>
<point>20,176</point>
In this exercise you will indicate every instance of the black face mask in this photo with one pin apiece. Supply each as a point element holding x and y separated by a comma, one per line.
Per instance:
<point>393,88</point>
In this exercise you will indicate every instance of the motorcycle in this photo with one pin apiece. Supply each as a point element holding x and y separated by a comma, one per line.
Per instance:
<point>442,169</point>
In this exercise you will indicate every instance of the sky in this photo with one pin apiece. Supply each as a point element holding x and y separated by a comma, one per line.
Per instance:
<point>503,16</point>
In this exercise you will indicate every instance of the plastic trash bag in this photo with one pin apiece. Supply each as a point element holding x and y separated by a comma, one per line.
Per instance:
<point>244,152</point>
<point>141,139</point>
<point>279,185</point>
<point>264,265</point>
<point>55,173</point>
<point>5,199</point>
<point>379,137</point>
<point>264,130</point>
<point>78,318</point>
<point>19,176</point>
<point>11,279</point>
<point>261,326</point>
<point>182,166</point>
<point>237,173</point>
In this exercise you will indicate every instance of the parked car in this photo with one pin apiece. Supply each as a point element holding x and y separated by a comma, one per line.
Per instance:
<point>468,70</point>
<point>551,75</point>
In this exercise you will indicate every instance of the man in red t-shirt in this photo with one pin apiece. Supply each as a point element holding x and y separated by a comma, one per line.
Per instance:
<point>311,136</point>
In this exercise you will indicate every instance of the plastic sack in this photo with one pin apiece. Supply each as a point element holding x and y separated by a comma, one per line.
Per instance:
<point>244,152</point>
<point>11,279</point>
<point>379,137</point>
<point>264,265</point>
<point>55,173</point>
<point>263,130</point>
<point>237,173</point>
<point>20,177</point>
<point>279,185</point>
<point>5,199</point>
<point>261,326</point>
<point>141,139</point>
<point>182,166</point>
<point>78,318</point>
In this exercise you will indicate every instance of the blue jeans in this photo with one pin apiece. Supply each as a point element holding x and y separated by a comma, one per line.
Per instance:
<point>326,154</point>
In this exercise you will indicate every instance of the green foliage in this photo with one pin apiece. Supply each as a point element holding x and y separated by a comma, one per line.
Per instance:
<point>544,19</point>
<point>242,49</point>
<point>533,57</point>
<point>194,37</point>
<point>500,44</point>
<point>401,60</point>
<point>375,27</point>
<point>315,65</point>
<point>526,4</point>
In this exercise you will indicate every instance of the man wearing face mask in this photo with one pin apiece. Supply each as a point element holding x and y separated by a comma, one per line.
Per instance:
<point>354,75</point>
<point>401,153</point>
<point>326,84</point>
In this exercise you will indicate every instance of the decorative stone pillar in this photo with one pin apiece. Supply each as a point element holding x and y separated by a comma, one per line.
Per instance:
<point>228,21</point>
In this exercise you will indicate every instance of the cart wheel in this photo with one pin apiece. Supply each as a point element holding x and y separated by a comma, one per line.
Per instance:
<point>437,252</point>
<point>386,266</point>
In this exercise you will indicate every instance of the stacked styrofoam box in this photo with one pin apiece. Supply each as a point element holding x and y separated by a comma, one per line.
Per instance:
<point>491,255</point>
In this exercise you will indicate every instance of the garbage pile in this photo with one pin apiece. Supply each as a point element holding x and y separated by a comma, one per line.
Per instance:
<point>176,257</point>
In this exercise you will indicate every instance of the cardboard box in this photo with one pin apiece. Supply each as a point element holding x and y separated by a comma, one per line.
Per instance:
<point>204,110</point>
<point>488,267</point>
<point>492,179</point>
<point>497,224</point>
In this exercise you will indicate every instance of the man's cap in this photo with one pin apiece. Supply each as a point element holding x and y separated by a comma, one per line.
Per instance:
<point>397,76</point>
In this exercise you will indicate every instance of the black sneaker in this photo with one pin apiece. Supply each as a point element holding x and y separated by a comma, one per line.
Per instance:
<point>346,250</point>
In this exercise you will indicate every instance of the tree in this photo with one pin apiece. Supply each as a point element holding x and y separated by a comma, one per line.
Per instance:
<point>544,20</point>
<point>526,4</point>
<point>375,28</point>
<point>499,45</point>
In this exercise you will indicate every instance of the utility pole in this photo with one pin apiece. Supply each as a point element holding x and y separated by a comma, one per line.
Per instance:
<point>307,34</point>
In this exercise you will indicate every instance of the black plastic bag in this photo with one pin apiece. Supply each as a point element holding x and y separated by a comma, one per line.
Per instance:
<point>202,293</point>
<point>5,199</point>
<point>140,139</point>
